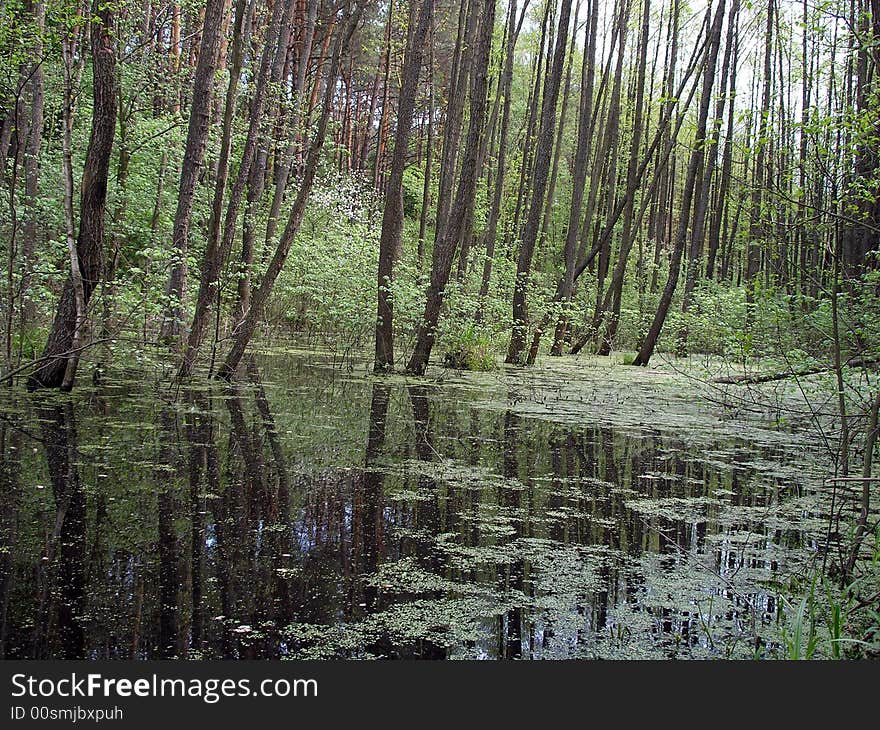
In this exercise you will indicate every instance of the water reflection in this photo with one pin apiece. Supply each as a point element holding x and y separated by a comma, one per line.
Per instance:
<point>309,514</point>
<point>61,571</point>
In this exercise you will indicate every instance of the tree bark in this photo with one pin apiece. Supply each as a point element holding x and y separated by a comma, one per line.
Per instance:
<point>627,234</point>
<point>756,217</point>
<point>539,185</point>
<point>392,218</point>
<point>193,157</point>
<point>219,246</point>
<point>696,159</point>
<point>88,256</point>
<point>579,176</point>
<point>462,207</point>
<point>504,87</point>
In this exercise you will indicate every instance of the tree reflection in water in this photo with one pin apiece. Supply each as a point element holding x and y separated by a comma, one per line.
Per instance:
<point>311,514</point>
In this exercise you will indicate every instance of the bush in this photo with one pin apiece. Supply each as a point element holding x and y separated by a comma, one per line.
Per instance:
<point>469,350</point>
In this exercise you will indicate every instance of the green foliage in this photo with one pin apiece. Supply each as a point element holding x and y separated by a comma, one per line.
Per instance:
<point>840,621</point>
<point>800,636</point>
<point>413,191</point>
<point>469,349</point>
<point>329,284</point>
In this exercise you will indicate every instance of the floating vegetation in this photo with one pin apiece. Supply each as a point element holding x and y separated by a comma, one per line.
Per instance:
<point>577,510</point>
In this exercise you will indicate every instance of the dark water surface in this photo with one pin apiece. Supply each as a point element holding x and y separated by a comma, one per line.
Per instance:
<point>573,511</point>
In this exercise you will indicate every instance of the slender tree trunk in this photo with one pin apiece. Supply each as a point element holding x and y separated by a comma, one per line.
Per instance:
<point>504,87</point>
<point>462,207</point>
<point>560,130</point>
<point>454,114</point>
<point>696,159</point>
<point>392,218</point>
<point>579,176</point>
<point>627,234</point>
<point>193,157</point>
<point>219,248</point>
<point>701,205</point>
<point>296,122</point>
<point>382,133</point>
<point>87,256</point>
<point>756,217</point>
<point>539,185</point>
<point>726,157</point>
<point>32,172</point>
<point>246,328</point>
<point>429,155</point>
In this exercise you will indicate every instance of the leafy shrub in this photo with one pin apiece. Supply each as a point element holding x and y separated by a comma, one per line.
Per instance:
<point>469,349</point>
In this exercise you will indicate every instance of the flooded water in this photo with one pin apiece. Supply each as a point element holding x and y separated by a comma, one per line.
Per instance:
<point>571,511</point>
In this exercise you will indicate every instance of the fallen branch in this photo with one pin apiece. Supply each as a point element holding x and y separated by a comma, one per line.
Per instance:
<point>771,377</point>
<point>58,356</point>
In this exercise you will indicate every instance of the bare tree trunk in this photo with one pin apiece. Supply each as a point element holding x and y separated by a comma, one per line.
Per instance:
<point>462,207</point>
<point>382,133</point>
<point>539,185</point>
<point>193,157</point>
<point>429,155</point>
<point>579,175</point>
<point>504,87</point>
<point>756,224</point>
<point>296,121</point>
<point>696,159</point>
<point>532,119</point>
<point>627,234</point>
<point>726,158</point>
<point>560,130</point>
<point>392,218</point>
<point>87,256</point>
<point>454,114</point>
<point>219,246</point>
<point>702,202</point>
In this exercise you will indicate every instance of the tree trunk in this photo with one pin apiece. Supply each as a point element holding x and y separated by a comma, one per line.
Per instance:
<point>32,172</point>
<point>579,175</point>
<point>193,157</point>
<point>296,121</point>
<point>392,218</point>
<point>88,256</point>
<point>756,218</point>
<point>429,155</point>
<point>539,184</point>
<point>696,159</point>
<point>627,234</point>
<point>504,87</point>
<point>246,328</point>
<point>462,207</point>
<point>218,249</point>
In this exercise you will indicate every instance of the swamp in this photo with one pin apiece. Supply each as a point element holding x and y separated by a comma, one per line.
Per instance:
<point>439,329</point>
<point>312,510</point>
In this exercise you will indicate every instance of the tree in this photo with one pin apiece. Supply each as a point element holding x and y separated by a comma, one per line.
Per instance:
<point>64,344</point>
<point>515,351</point>
<point>462,207</point>
<point>193,156</point>
<point>696,161</point>
<point>392,218</point>
<point>247,326</point>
